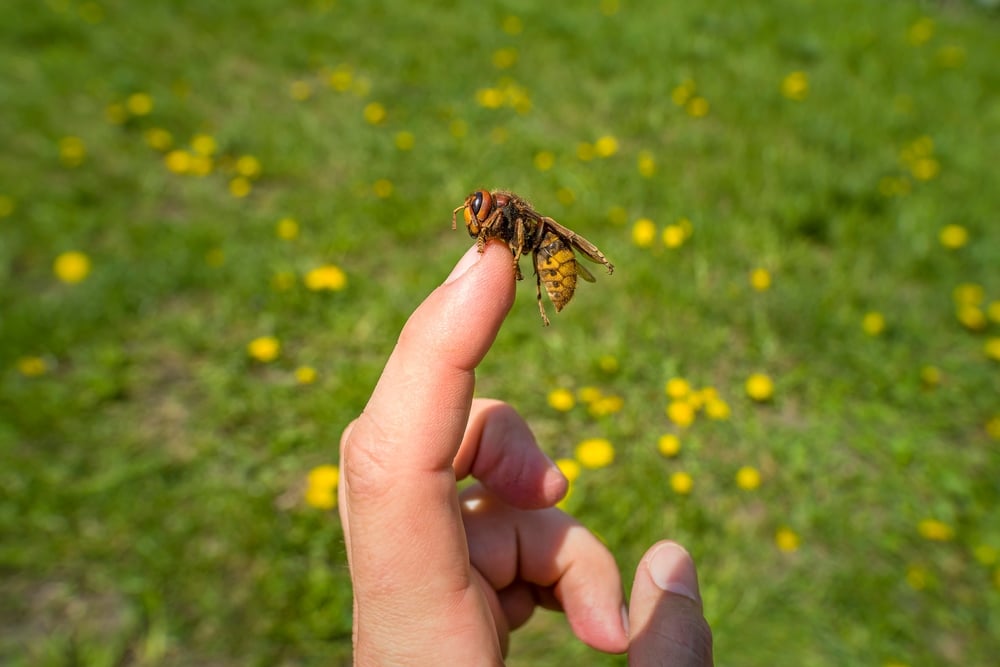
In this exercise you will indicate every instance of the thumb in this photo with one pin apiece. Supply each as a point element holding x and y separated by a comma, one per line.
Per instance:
<point>667,624</point>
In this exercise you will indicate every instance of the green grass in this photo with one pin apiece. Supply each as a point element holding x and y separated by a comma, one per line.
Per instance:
<point>152,475</point>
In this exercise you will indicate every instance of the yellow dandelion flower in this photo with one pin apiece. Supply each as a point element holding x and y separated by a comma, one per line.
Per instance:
<point>760,279</point>
<point>697,107</point>
<point>669,445</point>
<point>204,144</point>
<point>504,58</point>
<point>873,323</point>
<point>322,498</point>
<point>248,165</point>
<point>986,554</point>
<point>264,349</point>
<point>682,93</point>
<point>917,577</point>
<point>7,206</point>
<point>992,348</point>
<point>458,128</point>
<point>240,187</point>
<point>610,7</point>
<point>215,257</point>
<point>992,310</point>
<point>405,140</point>
<point>608,363</point>
<point>341,78</point>
<point>115,114</point>
<point>930,376</point>
<point>300,90</point>
<point>178,161</point>
<point>681,482</point>
<point>325,475</point>
<point>748,478</point>
<point>925,168</point>
<point>328,277</point>
<point>643,232</point>
<point>490,98</point>
<point>606,146</point>
<point>382,188</point>
<point>374,113</point>
<point>589,394</point>
<point>717,409</point>
<point>681,413</point>
<point>544,160</point>
<point>32,367</point>
<point>950,56</point>
<point>287,229</point>
<point>561,400</point>
<point>569,468</point>
<point>971,317</point>
<point>786,539</point>
<point>201,165</point>
<point>512,25</point>
<point>139,104</point>
<point>646,164</point>
<point>71,267</point>
<point>673,236</point>
<point>993,427</point>
<point>953,237</point>
<point>759,387</point>
<point>921,31</point>
<point>795,86</point>
<point>969,294</point>
<point>585,151</point>
<point>617,215</point>
<point>321,486</point>
<point>158,139</point>
<point>606,405</point>
<point>72,151</point>
<point>305,374</point>
<point>935,530</point>
<point>595,453</point>
<point>677,388</point>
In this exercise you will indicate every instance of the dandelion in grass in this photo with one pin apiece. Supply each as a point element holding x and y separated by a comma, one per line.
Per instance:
<point>971,317</point>
<point>585,151</point>
<point>204,144</point>
<point>917,577</point>
<point>682,483</point>
<point>643,232</point>
<point>300,90</point>
<point>72,151</point>
<point>321,487</point>
<point>139,104</point>
<point>950,56</point>
<point>490,98</point>
<point>677,388</point>
<point>795,86</point>
<point>569,468</point>
<point>610,7</point>
<point>178,161</point>
<point>595,453</point>
<point>405,140</point>
<point>504,58</point>
<point>341,78</point>
<point>282,281</point>
<point>32,367</point>
<point>264,349</point>
<point>561,399</point>
<point>158,139</point>
<point>986,554</point>
<point>646,164</point>
<point>608,363</point>
<point>697,107</point>
<point>606,146</point>
<point>215,257</point>
<point>674,236</point>
<point>935,530</point>
<point>71,267</point>
<point>681,413</point>
<point>969,294</point>
<point>605,405</point>
<point>992,348</point>
<point>992,310</point>
<point>683,92</point>
<point>374,113</point>
<point>953,236</point>
<point>873,323</point>
<point>760,387</point>
<point>787,540</point>
<point>925,168</point>
<point>589,394</point>
<point>201,165</point>
<point>748,478</point>
<point>544,160</point>
<point>669,445</point>
<point>329,277</point>
<point>512,25</point>
<point>305,374</point>
<point>760,279</point>
<point>458,128</point>
<point>993,427</point>
<point>287,229</point>
<point>382,188</point>
<point>7,206</point>
<point>248,166</point>
<point>930,376</point>
<point>240,187</point>
<point>717,409</point>
<point>920,31</point>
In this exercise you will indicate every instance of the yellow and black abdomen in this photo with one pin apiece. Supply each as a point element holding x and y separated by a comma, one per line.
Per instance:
<point>557,268</point>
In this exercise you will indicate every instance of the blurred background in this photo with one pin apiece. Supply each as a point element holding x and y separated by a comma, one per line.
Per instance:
<point>216,216</point>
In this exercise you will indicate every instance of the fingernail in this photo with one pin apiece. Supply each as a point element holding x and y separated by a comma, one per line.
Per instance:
<point>470,257</point>
<point>672,570</point>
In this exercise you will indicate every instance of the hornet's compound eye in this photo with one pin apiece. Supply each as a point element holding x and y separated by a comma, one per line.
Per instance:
<point>482,204</point>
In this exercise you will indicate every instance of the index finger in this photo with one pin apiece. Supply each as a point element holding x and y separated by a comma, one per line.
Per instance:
<point>399,484</point>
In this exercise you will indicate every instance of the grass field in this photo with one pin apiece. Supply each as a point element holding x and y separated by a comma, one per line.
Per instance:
<point>215,217</point>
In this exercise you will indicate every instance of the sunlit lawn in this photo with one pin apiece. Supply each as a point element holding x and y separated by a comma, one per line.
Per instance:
<point>215,217</point>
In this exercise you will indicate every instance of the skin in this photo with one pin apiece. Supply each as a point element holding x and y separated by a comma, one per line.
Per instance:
<point>442,577</point>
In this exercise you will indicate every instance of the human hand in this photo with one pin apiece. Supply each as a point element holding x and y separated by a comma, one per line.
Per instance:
<point>441,578</point>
